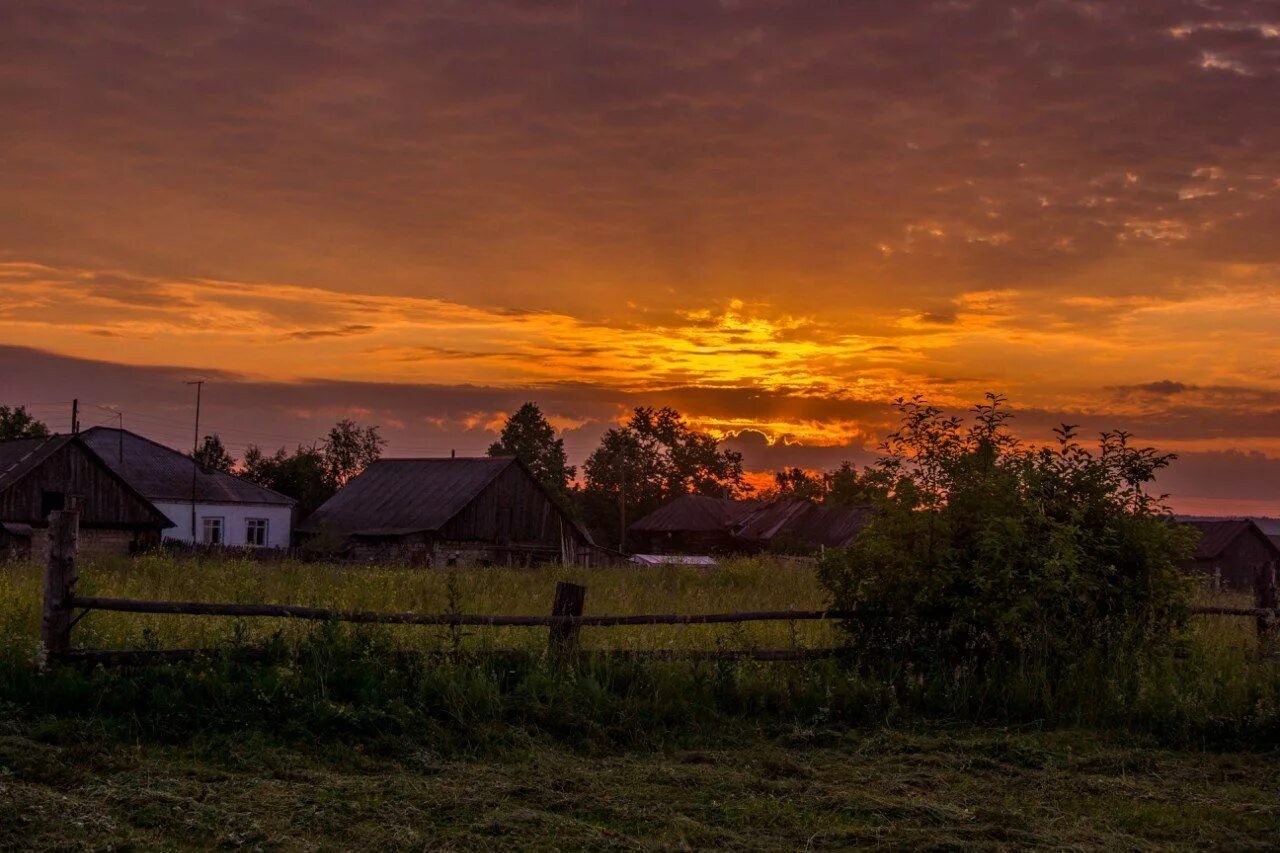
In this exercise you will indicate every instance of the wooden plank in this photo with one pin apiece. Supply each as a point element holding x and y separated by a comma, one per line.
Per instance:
<point>148,657</point>
<point>293,611</point>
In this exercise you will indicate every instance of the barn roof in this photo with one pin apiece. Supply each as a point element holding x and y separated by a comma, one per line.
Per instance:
<point>19,456</point>
<point>396,497</point>
<point>1216,535</point>
<point>695,513</point>
<point>831,526</point>
<point>769,520</point>
<point>802,521</point>
<point>163,474</point>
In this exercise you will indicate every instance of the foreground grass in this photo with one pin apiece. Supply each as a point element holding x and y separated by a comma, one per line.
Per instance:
<point>809,789</point>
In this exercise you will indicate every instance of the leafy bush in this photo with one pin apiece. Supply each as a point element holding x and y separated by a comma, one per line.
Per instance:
<point>988,555</point>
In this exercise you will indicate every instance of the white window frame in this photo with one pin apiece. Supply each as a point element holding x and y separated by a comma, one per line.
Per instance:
<point>208,522</point>
<point>252,524</point>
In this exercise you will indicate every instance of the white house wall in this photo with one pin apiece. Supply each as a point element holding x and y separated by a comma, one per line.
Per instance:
<point>234,518</point>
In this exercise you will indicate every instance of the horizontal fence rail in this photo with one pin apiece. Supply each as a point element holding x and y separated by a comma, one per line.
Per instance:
<point>293,611</point>
<point>296,611</point>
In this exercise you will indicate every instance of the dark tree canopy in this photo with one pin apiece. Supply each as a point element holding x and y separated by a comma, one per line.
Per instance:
<point>302,475</point>
<point>213,455</point>
<point>17,422</point>
<point>655,457</point>
<point>841,486</point>
<point>313,473</point>
<point>349,448</point>
<point>528,436</point>
<point>796,483</point>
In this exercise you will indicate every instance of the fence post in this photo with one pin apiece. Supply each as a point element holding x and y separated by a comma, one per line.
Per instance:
<point>1265,598</point>
<point>569,601</point>
<point>60,578</point>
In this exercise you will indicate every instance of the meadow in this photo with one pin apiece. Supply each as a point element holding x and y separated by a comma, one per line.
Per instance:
<point>340,741</point>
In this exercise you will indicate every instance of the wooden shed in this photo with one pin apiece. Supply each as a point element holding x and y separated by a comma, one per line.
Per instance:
<point>1229,551</point>
<point>38,475</point>
<point>438,512</point>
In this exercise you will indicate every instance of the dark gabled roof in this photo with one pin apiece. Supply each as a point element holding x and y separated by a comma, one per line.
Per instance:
<point>1216,535</point>
<point>396,497</point>
<point>163,474</point>
<point>19,457</point>
<point>769,520</point>
<point>695,513</point>
<point>800,521</point>
<point>831,526</point>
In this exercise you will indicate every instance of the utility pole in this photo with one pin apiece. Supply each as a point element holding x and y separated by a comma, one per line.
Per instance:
<point>75,416</point>
<point>195,462</point>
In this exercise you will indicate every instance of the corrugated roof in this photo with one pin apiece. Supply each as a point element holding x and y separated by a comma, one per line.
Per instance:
<point>1217,535</point>
<point>161,473</point>
<point>695,513</point>
<point>394,497</point>
<point>20,456</point>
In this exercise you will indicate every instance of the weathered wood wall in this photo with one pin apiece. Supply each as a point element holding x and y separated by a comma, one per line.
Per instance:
<point>70,470</point>
<point>512,510</point>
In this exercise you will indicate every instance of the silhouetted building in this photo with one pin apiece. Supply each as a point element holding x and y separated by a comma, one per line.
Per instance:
<point>1229,550</point>
<point>696,524</point>
<point>443,511</point>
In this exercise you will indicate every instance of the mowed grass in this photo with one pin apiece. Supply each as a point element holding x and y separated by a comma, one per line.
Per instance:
<point>737,585</point>
<point>945,788</point>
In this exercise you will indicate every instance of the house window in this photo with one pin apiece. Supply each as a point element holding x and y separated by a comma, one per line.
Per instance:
<point>211,534</point>
<point>255,531</point>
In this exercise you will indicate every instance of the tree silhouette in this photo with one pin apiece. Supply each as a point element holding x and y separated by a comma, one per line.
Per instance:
<point>528,436</point>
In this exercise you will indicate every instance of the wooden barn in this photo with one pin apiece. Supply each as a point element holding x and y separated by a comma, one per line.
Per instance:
<point>1229,550</point>
<point>440,512</point>
<point>38,475</point>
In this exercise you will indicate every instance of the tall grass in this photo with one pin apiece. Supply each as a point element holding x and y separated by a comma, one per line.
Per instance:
<point>331,679</point>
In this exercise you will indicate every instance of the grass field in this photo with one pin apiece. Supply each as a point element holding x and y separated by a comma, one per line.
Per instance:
<point>943,788</point>
<point>337,745</point>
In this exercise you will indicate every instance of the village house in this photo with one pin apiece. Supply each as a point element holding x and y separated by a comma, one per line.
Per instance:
<point>40,475</point>
<point>690,524</point>
<point>697,524</point>
<point>229,510</point>
<point>1229,551</point>
<point>440,512</point>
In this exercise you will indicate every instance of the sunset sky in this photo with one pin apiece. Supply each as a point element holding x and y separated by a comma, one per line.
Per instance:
<point>774,216</point>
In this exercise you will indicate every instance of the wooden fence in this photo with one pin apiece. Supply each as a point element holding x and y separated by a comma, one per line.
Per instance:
<point>564,622</point>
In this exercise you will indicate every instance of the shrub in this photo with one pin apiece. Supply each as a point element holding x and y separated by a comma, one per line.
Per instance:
<point>987,554</point>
